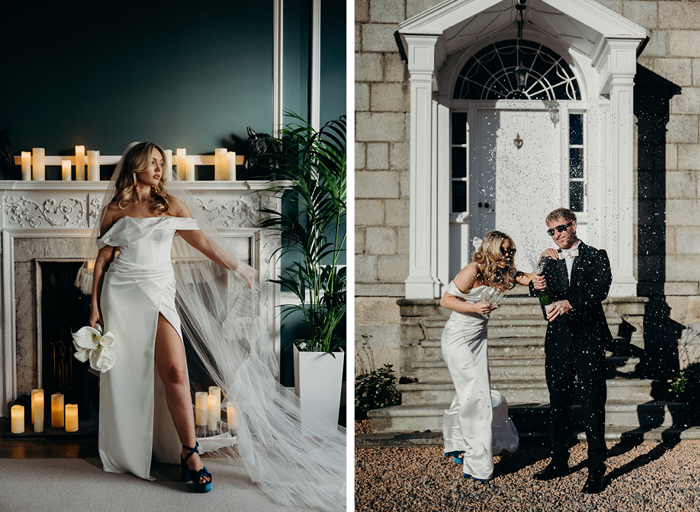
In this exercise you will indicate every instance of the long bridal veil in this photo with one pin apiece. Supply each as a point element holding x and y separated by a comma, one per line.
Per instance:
<point>220,311</point>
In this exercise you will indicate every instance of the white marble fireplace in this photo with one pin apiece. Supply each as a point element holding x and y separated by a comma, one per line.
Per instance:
<point>52,221</point>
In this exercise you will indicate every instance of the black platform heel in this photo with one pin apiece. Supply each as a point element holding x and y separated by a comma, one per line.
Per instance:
<point>187,474</point>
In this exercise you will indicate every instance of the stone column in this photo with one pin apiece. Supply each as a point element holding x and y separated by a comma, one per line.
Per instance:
<point>617,64</point>
<point>422,282</point>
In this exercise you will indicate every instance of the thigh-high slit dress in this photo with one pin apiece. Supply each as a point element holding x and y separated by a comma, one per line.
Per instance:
<point>477,422</point>
<point>139,285</point>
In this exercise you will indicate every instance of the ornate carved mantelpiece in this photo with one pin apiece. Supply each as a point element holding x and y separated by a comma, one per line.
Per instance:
<point>54,220</point>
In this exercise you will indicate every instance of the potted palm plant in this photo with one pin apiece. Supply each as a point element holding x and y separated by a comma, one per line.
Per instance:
<point>313,163</point>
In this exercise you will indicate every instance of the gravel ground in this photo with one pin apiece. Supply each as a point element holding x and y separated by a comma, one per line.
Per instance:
<point>641,476</point>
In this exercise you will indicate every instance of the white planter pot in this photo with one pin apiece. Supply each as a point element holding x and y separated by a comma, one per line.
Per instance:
<point>318,380</point>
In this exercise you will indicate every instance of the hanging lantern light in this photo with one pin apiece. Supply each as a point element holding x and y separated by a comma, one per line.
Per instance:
<point>521,72</point>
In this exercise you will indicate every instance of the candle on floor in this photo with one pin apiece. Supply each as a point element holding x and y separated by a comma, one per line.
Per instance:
<point>200,402</point>
<point>212,409</point>
<point>31,400</point>
<point>181,163</point>
<point>71,417</point>
<point>93,165</point>
<point>65,170</point>
<point>57,410</point>
<point>79,163</point>
<point>26,166</point>
<point>17,419</point>
<point>231,415</point>
<point>219,164</point>
<point>38,166</point>
<point>231,166</point>
<point>38,407</point>
<point>168,164</point>
<point>189,173</point>
<point>216,392</point>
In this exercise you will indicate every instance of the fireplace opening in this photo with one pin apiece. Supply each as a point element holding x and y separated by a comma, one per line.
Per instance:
<point>64,310</point>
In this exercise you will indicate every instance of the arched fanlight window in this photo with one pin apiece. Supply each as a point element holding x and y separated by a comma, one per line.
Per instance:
<point>489,74</point>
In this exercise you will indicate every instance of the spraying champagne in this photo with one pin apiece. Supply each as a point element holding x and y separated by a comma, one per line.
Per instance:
<point>545,297</point>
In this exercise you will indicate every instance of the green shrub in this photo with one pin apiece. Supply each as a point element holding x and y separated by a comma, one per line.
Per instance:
<point>375,390</point>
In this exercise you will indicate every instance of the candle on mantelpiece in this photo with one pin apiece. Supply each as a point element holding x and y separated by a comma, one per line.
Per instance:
<point>65,170</point>
<point>79,163</point>
<point>219,164</point>
<point>212,410</point>
<point>26,166</point>
<point>200,402</point>
<point>71,417</point>
<point>17,419</point>
<point>231,166</point>
<point>38,167</point>
<point>38,407</point>
<point>189,173</point>
<point>231,415</point>
<point>31,400</point>
<point>168,164</point>
<point>57,410</point>
<point>181,163</point>
<point>93,165</point>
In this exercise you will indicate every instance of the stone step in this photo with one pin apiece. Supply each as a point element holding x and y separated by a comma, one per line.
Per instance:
<point>499,347</point>
<point>519,369</point>
<point>511,326</point>
<point>535,417</point>
<point>521,392</point>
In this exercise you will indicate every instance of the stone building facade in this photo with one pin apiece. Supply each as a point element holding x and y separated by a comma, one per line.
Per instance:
<point>666,165</point>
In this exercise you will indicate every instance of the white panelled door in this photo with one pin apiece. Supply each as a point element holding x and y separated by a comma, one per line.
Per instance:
<point>515,178</point>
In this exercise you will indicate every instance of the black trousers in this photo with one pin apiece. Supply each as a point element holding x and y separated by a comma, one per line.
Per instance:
<point>588,365</point>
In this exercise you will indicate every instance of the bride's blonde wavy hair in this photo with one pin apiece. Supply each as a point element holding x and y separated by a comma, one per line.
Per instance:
<point>138,160</point>
<point>489,255</point>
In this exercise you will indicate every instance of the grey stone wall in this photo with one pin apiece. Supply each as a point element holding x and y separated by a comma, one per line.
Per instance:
<point>668,218</point>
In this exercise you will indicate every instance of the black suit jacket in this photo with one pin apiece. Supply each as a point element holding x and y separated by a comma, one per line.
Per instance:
<point>584,327</point>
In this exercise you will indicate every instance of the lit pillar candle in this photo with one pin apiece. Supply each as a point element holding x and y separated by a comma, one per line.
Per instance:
<point>57,410</point>
<point>17,419</point>
<point>168,164</point>
<point>26,165</point>
<point>38,408</point>
<point>231,415</point>
<point>93,165</point>
<point>212,410</point>
<point>65,170</point>
<point>38,166</point>
<point>219,163</point>
<point>216,392</point>
<point>31,400</point>
<point>181,163</point>
<point>189,173</point>
<point>231,166</point>
<point>200,402</point>
<point>71,417</point>
<point>79,163</point>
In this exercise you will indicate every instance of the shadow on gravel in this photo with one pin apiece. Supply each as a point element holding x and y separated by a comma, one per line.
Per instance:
<point>522,458</point>
<point>642,460</point>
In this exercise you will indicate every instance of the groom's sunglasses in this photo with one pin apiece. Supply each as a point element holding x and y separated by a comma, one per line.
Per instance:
<point>561,228</point>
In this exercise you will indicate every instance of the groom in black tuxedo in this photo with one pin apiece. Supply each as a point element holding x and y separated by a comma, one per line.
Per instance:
<point>578,280</point>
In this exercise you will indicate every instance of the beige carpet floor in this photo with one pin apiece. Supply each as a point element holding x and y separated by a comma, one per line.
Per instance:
<point>68,485</point>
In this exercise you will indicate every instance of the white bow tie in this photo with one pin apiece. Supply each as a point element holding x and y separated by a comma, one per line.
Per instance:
<point>566,253</point>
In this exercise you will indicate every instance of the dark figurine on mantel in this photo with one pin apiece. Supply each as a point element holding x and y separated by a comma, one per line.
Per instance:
<point>8,170</point>
<point>259,144</point>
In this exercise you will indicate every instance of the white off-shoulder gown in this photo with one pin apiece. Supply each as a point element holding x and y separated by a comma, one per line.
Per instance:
<point>135,424</point>
<point>477,422</point>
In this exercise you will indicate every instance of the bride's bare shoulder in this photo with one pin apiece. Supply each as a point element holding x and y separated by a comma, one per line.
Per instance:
<point>178,208</point>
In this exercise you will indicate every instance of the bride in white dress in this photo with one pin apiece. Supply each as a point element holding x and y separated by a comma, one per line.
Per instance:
<point>477,424</point>
<point>145,399</point>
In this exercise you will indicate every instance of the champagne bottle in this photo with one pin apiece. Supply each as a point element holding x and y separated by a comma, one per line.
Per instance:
<point>545,297</point>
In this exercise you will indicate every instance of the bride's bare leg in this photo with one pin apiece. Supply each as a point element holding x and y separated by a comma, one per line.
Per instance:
<point>172,369</point>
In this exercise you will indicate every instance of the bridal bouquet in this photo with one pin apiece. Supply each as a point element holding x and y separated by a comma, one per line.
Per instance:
<point>91,344</point>
<point>491,296</point>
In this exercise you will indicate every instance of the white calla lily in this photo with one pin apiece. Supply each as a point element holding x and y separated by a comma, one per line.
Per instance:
<point>107,339</point>
<point>82,355</point>
<point>102,359</point>
<point>87,338</point>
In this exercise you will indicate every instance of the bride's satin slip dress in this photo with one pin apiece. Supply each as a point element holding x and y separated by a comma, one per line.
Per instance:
<point>135,423</point>
<point>477,422</point>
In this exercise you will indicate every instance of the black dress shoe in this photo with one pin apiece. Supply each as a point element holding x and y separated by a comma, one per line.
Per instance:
<point>594,483</point>
<point>552,471</point>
